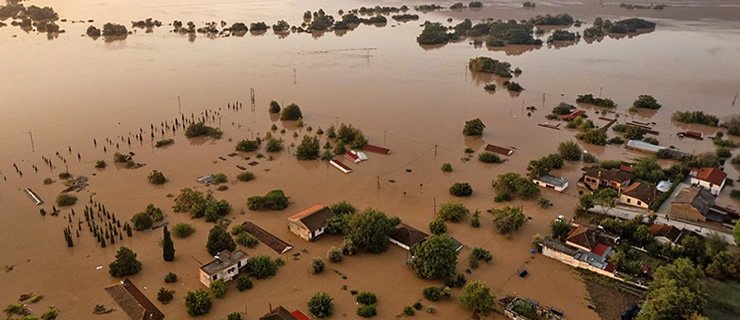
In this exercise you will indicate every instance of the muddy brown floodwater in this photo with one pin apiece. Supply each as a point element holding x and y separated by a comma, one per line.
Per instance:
<point>70,90</point>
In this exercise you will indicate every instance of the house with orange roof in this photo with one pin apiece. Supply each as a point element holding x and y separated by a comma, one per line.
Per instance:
<point>310,223</point>
<point>712,179</point>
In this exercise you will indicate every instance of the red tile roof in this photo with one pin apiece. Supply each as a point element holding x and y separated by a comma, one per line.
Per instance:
<point>712,175</point>
<point>599,249</point>
<point>298,315</point>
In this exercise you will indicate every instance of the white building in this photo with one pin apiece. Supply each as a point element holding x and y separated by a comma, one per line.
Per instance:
<point>226,266</point>
<point>556,183</point>
<point>712,179</point>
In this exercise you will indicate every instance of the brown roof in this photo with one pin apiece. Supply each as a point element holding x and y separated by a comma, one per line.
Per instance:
<point>711,175</point>
<point>500,150</point>
<point>665,230</point>
<point>408,235</point>
<point>279,313</point>
<point>610,174</point>
<point>641,191</point>
<point>588,237</point>
<point>133,302</point>
<point>314,218</point>
<point>267,238</point>
<point>699,198</point>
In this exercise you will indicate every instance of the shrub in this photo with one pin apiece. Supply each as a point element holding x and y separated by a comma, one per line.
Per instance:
<point>735,194</point>
<point>417,305</point>
<point>262,267</point>
<point>219,240</point>
<point>200,129</point>
<point>198,302</point>
<point>432,293</point>
<point>474,127</point>
<point>475,220</point>
<point>490,87</point>
<point>570,150</point>
<point>164,143</point>
<point>220,178</point>
<point>461,189</point>
<point>452,211</point>
<point>489,157</point>
<point>142,221</point>
<point>408,310</point>
<point>724,152</point>
<point>646,102</point>
<point>508,219</point>
<point>248,145</point>
<point>273,200</point>
<point>366,311</point>
<point>274,107</point>
<point>245,239</point>
<point>234,316</point>
<point>156,177</point>
<point>446,167</point>
<point>309,148</point>
<point>334,254</point>
<point>513,86</point>
<point>274,145</point>
<point>182,230</point>
<point>65,200</point>
<point>245,176</point>
<point>696,117</point>
<point>218,288</point>
<point>318,265</point>
<point>243,283</point>
<point>165,296</point>
<point>437,226</point>
<point>292,112</point>
<point>433,33</point>
<point>367,298</point>
<point>593,136</point>
<point>170,277</point>
<point>512,184</point>
<point>321,305</point>
<point>100,164</point>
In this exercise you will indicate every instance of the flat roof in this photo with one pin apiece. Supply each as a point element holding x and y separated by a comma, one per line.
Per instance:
<point>555,181</point>
<point>223,260</point>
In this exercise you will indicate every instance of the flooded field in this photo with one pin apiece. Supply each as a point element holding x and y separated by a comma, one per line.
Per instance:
<point>58,95</point>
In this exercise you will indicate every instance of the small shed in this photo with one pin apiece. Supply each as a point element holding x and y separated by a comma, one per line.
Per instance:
<point>225,266</point>
<point>340,166</point>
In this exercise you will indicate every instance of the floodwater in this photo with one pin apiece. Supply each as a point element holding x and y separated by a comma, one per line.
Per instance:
<point>64,92</point>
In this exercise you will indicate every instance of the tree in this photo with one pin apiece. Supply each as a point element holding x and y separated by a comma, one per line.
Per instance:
<point>477,297</point>
<point>369,230</point>
<point>366,298</point>
<point>243,283</point>
<point>142,221</point>
<point>318,265</point>
<point>736,233</point>
<point>198,302</point>
<point>125,263</point>
<point>593,136</point>
<point>274,107</point>
<point>435,258</point>
<point>452,211</point>
<point>437,226</point>
<point>218,288</point>
<point>715,244</point>
<point>606,198</point>
<point>219,240</point>
<point>291,112</point>
<point>168,247</point>
<point>508,219</point>
<point>461,189</point>
<point>165,296</point>
<point>234,316</point>
<point>182,230</point>
<point>262,267</point>
<point>570,150</point>
<point>321,305</point>
<point>646,102</point>
<point>474,127</point>
<point>648,169</point>
<point>676,292</point>
<point>559,229</point>
<point>247,145</point>
<point>513,184</point>
<point>273,200</point>
<point>65,200</point>
<point>309,149</point>
<point>156,177</point>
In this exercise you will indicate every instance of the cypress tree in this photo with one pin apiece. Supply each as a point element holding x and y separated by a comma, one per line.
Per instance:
<point>168,248</point>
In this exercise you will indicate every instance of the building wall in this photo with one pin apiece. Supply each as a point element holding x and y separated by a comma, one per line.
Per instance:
<point>569,260</point>
<point>630,201</point>
<point>299,229</point>
<point>226,274</point>
<point>685,212</point>
<point>713,188</point>
<point>549,186</point>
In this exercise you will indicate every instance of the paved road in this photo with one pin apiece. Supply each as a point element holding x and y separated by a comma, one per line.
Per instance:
<point>629,214</point>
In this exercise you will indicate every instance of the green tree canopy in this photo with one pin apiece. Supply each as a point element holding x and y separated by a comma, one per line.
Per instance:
<point>321,305</point>
<point>219,240</point>
<point>198,302</point>
<point>369,230</point>
<point>676,292</point>
<point>309,149</point>
<point>508,219</point>
<point>125,263</point>
<point>435,258</point>
<point>477,297</point>
<point>291,112</point>
<point>474,127</point>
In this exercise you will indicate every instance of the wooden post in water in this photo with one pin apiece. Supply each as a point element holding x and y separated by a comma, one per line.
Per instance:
<point>179,105</point>
<point>33,147</point>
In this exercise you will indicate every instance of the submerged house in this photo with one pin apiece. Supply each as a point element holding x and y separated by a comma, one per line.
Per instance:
<point>310,223</point>
<point>280,313</point>
<point>133,302</point>
<point>550,182</point>
<point>225,266</point>
<point>596,177</point>
<point>639,194</point>
<point>712,179</point>
<point>406,236</point>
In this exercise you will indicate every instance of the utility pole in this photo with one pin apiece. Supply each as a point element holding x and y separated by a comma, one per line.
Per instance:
<point>435,206</point>
<point>295,79</point>
<point>385,138</point>
<point>378,182</point>
<point>600,90</point>
<point>179,105</point>
<point>33,147</point>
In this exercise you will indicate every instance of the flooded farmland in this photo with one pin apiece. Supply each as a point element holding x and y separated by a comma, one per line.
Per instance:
<point>77,100</point>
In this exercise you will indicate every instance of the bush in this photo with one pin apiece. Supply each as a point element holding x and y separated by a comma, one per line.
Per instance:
<point>433,33</point>
<point>170,277</point>
<point>446,167</point>
<point>334,254</point>
<point>218,288</point>
<point>646,102</point>
<point>593,136</point>
<point>696,117</point>
<point>198,302</point>
<point>321,305</point>
<point>570,150</point>
<point>248,145</point>
<point>274,145</point>
<point>461,189</point>
<point>513,86</point>
<point>245,239</point>
<point>156,177</point>
<point>273,200</point>
<point>489,65</point>
<point>65,200</point>
<point>724,152</point>
<point>490,87</point>
<point>164,143</point>
<point>220,178</point>
<point>367,298</point>
<point>243,283</point>
<point>474,127</point>
<point>318,265</point>
<point>262,267</point>
<point>452,211</point>
<point>508,219</point>
<point>142,221</point>
<point>100,164</point>
<point>408,310</point>
<point>309,149</point>
<point>489,157</point>
<point>291,113</point>
<point>182,230</point>
<point>601,102</point>
<point>219,240</point>
<point>200,129</point>
<point>437,226</point>
<point>432,293</point>
<point>513,184</point>
<point>274,107</point>
<point>234,316</point>
<point>165,296</point>
<point>245,176</point>
<point>366,311</point>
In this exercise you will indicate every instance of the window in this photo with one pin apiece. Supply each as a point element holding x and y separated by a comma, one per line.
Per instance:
<point>214,277</point>
<point>239,264</point>
<point>639,203</point>
<point>629,200</point>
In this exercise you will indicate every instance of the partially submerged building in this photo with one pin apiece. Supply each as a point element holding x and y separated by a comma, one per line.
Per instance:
<point>697,204</point>
<point>133,302</point>
<point>269,239</point>
<point>712,179</point>
<point>642,146</point>
<point>406,236</point>
<point>596,177</point>
<point>585,248</point>
<point>225,266</point>
<point>516,308</point>
<point>280,313</point>
<point>310,223</point>
<point>551,182</point>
